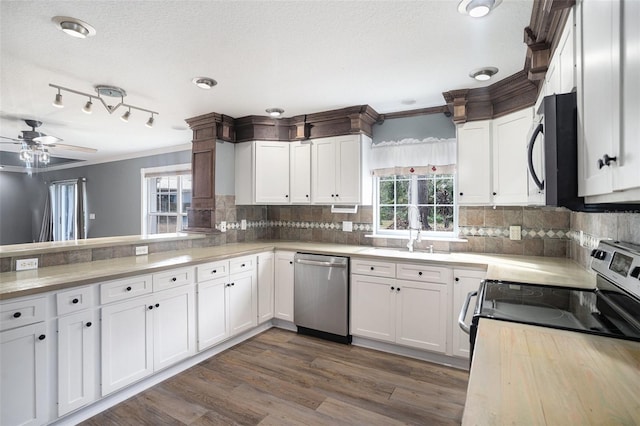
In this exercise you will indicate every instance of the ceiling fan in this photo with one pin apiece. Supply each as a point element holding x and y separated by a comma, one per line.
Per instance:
<point>38,141</point>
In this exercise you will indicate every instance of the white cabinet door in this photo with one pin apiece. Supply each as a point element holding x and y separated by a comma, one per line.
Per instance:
<point>127,344</point>
<point>509,145</point>
<point>284,285</point>
<point>567,57</point>
<point>242,302</point>
<point>244,173</point>
<point>23,375</point>
<point>213,320</point>
<point>265,286</point>
<point>465,282</point>
<point>598,95</point>
<point>323,171</point>
<point>348,178</point>
<point>373,307</point>
<point>174,332</point>
<point>272,172</point>
<point>474,163</point>
<point>78,360</point>
<point>422,315</point>
<point>300,172</point>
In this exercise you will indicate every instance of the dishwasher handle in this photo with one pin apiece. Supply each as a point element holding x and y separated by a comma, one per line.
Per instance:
<point>463,312</point>
<point>322,263</point>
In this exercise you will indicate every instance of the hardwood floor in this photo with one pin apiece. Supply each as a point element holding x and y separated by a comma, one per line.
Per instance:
<point>282,378</point>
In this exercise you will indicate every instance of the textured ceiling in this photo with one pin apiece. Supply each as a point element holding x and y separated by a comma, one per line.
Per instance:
<point>303,56</point>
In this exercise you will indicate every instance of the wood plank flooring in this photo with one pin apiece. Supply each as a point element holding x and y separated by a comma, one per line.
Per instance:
<point>282,378</point>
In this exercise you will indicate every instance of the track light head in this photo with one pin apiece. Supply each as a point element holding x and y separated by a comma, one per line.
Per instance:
<point>87,107</point>
<point>125,116</point>
<point>58,101</point>
<point>150,121</point>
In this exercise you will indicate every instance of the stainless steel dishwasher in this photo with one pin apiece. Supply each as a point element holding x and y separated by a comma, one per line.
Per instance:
<point>321,296</point>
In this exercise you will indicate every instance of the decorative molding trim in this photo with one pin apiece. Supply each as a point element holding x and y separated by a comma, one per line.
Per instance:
<point>443,109</point>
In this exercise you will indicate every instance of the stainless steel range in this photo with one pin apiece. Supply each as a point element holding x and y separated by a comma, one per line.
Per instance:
<point>612,309</point>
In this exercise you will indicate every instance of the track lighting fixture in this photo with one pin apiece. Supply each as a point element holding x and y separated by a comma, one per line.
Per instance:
<point>103,90</point>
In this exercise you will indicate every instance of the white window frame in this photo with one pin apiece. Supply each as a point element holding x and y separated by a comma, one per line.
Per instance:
<point>146,172</point>
<point>413,216</point>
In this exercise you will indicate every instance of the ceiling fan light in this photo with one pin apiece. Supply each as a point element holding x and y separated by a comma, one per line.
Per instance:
<point>149,123</point>
<point>87,107</point>
<point>58,101</point>
<point>125,116</point>
<point>26,155</point>
<point>205,83</point>
<point>44,157</point>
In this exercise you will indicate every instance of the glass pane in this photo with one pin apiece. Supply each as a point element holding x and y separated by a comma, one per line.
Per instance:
<point>186,193</point>
<point>184,223</point>
<point>386,218</point>
<point>426,216</point>
<point>425,191</point>
<point>444,191</point>
<point>173,202</point>
<point>402,191</point>
<point>402,217</point>
<point>387,195</point>
<point>444,218</point>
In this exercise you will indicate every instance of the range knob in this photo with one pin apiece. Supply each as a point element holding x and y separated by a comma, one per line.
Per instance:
<point>598,254</point>
<point>635,272</point>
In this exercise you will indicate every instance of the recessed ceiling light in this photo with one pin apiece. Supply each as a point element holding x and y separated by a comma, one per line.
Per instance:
<point>483,74</point>
<point>204,82</point>
<point>73,27</point>
<point>477,8</point>
<point>275,112</point>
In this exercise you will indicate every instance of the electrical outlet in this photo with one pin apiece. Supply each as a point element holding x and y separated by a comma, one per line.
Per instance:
<point>347,226</point>
<point>515,232</point>
<point>24,264</point>
<point>92,216</point>
<point>223,226</point>
<point>243,224</point>
<point>140,250</point>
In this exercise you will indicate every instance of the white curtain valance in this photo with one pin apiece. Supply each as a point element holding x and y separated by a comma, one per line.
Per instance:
<point>414,156</point>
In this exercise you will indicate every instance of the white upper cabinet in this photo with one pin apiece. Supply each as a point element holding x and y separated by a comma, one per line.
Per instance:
<point>509,146</point>
<point>492,160</point>
<point>474,162</point>
<point>272,172</point>
<point>300,172</point>
<point>339,170</point>
<point>608,60</point>
<point>560,76</point>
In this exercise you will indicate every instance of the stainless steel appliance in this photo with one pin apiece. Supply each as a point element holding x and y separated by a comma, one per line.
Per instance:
<point>321,296</point>
<point>612,309</point>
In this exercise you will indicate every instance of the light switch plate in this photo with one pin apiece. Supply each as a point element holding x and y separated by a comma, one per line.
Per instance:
<point>347,226</point>
<point>140,250</point>
<point>223,226</point>
<point>25,264</point>
<point>92,216</point>
<point>243,224</point>
<point>515,232</point>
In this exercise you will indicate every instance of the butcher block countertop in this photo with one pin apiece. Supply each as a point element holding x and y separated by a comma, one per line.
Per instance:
<point>528,375</point>
<point>542,270</point>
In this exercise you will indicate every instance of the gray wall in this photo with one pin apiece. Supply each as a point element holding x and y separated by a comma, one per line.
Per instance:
<point>113,194</point>
<point>418,127</point>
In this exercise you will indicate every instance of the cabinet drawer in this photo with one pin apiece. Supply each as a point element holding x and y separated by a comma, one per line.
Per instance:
<point>23,312</point>
<point>242,264</point>
<point>211,271</point>
<point>74,300</point>
<point>373,267</point>
<point>125,289</point>
<point>173,278</point>
<point>426,273</point>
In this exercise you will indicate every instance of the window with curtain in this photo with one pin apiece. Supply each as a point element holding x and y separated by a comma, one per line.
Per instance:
<point>65,211</point>
<point>166,197</point>
<point>414,187</point>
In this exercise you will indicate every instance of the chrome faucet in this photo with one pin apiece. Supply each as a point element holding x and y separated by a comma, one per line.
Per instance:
<point>412,239</point>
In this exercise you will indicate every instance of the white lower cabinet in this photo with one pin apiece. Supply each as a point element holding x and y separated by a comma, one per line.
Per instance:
<point>145,334</point>
<point>242,293</point>
<point>406,312</point>
<point>23,375</point>
<point>212,312</point>
<point>265,286</point>
<point>464,282</point>
<point>78,360</point>
<point>284,285</point>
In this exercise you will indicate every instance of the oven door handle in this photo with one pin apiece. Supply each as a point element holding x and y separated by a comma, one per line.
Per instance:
<point>463,312</point>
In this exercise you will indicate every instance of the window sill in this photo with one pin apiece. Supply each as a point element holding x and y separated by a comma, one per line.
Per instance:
<point>424,238</point>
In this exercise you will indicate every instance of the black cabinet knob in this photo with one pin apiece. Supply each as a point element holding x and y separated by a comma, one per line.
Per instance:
<point>333,195</point>
<point>41,337</point>
<point>307,195</point>
<point>128,288</point>
<point>150,307</point>
<point>291,262</point>
<point>17,314</point>
<point>75,301</point>
<point>606,160</point>
<point>398,289</point>
<point>286,196</point>
<point>174,279</point>
<point>157,305</point>
<point>89,324</point>
<point>337,195</point>
<point>461,194</point>
<point>420,273</point>
<point>495,193</point>
<point>242,266</point>
<point>214,271</point>
<point>372,268</point>
<point>457,279</point>
<point>233,284</point>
